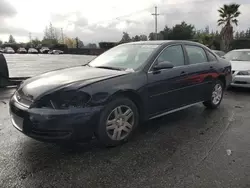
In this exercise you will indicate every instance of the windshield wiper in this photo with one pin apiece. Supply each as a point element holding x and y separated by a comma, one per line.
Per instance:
<point>107,67</point>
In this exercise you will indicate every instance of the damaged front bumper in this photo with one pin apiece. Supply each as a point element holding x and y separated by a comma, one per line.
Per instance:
<point>54,125</point>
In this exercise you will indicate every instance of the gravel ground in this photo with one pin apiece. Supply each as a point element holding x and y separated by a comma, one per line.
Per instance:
<point>191,148</point>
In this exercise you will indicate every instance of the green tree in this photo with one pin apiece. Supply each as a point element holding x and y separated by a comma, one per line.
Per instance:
<point>242,34</point>
<point>247,34</point>
<point>166,33</point>
<point>143,38</point>
<point>151,36</point>
<point>228,16</point>
<point>51,35</point>
<point>76,42</point>
<point>36,43</point>
<point>207,30</point>
<point>136,38</point>
<point>182,31</point>
<point>237,35</point>
<point>80,44</point>
<point>11,39</point>
<point>69,42</point>
<point>92,45</point>
<point>125,38</point>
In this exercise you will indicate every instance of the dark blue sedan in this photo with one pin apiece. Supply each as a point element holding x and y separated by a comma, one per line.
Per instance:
<point>124,86</point>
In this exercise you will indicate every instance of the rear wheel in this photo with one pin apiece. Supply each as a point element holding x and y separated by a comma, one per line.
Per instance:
<point>118,121</point>
<point>216,95</point>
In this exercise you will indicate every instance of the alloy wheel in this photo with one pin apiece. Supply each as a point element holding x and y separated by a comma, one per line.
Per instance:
<point>217,94</point>
<point>120,122</point>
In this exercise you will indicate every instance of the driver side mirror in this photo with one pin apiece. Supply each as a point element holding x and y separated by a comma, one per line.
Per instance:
<point>163,65</point>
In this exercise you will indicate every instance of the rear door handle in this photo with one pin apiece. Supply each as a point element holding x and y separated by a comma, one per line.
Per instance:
<point>211,67</point>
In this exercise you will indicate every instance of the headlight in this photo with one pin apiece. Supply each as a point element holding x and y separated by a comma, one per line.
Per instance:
<point>64,100</point>
<point>244,72</point>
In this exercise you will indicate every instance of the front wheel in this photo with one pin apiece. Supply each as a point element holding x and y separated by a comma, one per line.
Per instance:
<point>118,121</point>
<point>216,95</point>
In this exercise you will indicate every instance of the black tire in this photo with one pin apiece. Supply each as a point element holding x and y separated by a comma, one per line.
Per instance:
<point>101,132</point>
<point>210,103</point>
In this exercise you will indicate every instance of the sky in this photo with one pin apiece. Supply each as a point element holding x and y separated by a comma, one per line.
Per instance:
<point>105,20</point>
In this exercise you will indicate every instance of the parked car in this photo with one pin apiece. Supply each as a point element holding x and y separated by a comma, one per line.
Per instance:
<point>122,87</point>
<point>240,60</point>
<point>44,50</point>
<point>1,50</point>
<point>57,52</point>
<point>22,51</point>
<point>32,51</point>
<point>9,50</point>
<point>219,53</point>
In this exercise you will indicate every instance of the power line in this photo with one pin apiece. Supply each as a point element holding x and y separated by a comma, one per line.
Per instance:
<point>113,19</point>
<point>155,14</point>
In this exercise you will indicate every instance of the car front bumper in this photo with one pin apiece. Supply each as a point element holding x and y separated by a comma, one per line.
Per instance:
<point>54,125</point>
<point>241,81</point>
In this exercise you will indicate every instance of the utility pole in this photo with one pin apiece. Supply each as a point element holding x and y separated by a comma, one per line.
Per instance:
<point>30,36</point>
<point>62,35</point>
<point>155,14</point>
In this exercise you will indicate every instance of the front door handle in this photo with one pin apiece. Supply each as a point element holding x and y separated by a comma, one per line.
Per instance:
<point>183,73</point>
<point>211,67</point>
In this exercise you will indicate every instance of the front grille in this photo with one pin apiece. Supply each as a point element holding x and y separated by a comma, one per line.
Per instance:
<point>50,133</point>
<point>243,73</point>
<point>240,82</point>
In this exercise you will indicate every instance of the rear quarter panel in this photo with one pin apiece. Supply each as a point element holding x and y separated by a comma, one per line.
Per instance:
<point>225,69</point>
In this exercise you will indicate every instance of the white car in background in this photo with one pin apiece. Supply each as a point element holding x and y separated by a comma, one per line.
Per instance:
<point>240,61</point>
<point>21,51</point>
<point>44,50</point>
<point>32,51</point>
<point>9,50</point>
<point>57,52</point>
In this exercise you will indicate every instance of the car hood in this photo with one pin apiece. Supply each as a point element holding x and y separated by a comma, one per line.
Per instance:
<point>48,82</point>
<point>240,65</point>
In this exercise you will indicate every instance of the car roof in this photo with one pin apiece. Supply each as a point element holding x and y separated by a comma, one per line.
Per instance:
<point>217,51</point>
<point>161,42</point>
<point>242,50</point>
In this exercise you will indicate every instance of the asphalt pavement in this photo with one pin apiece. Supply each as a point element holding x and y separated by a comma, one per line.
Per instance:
<point>27,65</point>
<point>191,148</point>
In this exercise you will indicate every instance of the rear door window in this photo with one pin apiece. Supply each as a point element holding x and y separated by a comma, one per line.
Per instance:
<point>196,54</point>
<point>211,57</point>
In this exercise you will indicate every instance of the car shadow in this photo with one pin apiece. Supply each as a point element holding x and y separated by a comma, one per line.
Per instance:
<point>238,90</point>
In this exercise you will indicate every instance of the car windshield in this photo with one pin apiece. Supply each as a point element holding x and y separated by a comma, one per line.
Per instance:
<point>129,56</point>
<point>238,56</point>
